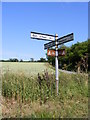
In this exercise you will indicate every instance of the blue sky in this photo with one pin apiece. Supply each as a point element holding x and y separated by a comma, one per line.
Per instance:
<point>19,19</point>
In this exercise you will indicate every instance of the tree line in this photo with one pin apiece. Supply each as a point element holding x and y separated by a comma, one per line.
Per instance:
<point>76,58</point>
<point>21,60</point>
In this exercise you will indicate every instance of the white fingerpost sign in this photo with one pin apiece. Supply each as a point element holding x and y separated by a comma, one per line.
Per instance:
<point>40,36</point>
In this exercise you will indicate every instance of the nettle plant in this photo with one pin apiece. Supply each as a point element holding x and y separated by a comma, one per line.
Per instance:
<point>46,84</point>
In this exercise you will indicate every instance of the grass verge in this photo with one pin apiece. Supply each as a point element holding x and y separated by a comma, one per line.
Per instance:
<point>26,97</point>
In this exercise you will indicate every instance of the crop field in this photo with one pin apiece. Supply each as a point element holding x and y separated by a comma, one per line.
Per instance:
<point>31,69</point>
<point>28,91</point>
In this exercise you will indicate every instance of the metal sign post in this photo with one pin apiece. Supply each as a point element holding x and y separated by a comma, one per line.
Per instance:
<point>56,62</point>
<point>55,41</point>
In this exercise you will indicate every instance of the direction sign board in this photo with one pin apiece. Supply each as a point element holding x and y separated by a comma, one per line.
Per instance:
<point>40,36</point>
<point>51,52</point>
<point>50,44</point>
<point>61,52</point>
<point>65,39</point>
<point>60,41</point>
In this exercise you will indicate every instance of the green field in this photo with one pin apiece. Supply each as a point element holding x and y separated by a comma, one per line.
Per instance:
<point>32,68</point>
<point>24,96</point>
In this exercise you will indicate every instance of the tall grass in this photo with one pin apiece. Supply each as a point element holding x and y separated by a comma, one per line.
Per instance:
<point>72,100</point>
<point>28,88</point>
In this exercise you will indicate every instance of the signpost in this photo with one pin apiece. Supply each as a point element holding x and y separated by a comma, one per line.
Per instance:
<point>60,41</point>
<point>56,62</point>
<point>50,52</point>
<point>55,41</point>
<point>40,36</point>
<point>61,52</point>
<point>65,39</point>
<point>49,45</point>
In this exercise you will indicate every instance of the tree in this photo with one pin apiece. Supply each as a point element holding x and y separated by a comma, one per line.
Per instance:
<point>73,56</point>
<point>21,60</point>
<point>42,60</point>
<point>13,60</point>
<point>32,59</point>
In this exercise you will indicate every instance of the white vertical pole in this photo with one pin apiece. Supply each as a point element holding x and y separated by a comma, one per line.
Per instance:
<point>56,62</point>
